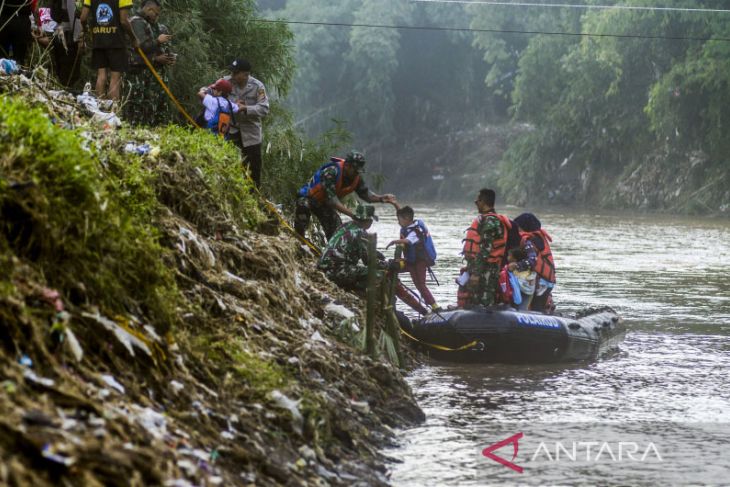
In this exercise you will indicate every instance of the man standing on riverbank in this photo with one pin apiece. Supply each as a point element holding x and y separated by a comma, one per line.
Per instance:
<point>108,22</point>
<point>250,94</point>
<point>333,181</point>
<point>485,248</point>
<point>147,103</point>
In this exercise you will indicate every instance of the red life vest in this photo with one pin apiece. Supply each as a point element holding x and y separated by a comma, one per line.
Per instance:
<point>544,263</point>
<point>499,245</point>
<point>504,290</point>
<point>317,191</point>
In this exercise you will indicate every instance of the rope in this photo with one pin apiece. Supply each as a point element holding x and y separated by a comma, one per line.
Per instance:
<point>266,202</point>
<point>164,87</point>
<point>439,347</point>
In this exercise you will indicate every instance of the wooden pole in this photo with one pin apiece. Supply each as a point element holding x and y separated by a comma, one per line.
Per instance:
<point>390,317</point>
<point>371,294</point>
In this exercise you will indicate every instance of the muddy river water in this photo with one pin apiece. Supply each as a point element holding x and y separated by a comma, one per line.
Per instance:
<point>655,412</point>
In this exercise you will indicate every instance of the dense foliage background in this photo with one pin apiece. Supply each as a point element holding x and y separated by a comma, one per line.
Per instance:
<point>620,89</point>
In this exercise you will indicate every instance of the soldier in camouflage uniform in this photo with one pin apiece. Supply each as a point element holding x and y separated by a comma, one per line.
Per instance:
<point>322,193</point>
<point>147,101</point>
<point>485,250</point>
<point>345,258</point>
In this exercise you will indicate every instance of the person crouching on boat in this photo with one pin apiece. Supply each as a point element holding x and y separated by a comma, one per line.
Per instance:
<point>536,243</point>
<point>420,253</point>
<point>344,260</point>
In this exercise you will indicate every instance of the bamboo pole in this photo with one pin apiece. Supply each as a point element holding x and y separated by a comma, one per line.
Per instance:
<point>371,294</point>
<point>390,317</point>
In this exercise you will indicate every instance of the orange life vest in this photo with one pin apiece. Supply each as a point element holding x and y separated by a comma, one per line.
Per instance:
<point>317,191</point>
<point>544,263</point>
<point>472,241</point>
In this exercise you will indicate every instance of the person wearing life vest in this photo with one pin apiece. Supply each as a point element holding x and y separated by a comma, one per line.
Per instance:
<point>419,252</point>
<point>485,252</point>
<point>322,194</point>
<point>536,243</point>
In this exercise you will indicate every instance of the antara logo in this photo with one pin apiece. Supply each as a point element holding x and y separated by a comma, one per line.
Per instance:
<point>602,451</point>
<point>514,439</point>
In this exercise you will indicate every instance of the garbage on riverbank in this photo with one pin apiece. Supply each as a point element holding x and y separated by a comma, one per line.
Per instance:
<point>149,335</point>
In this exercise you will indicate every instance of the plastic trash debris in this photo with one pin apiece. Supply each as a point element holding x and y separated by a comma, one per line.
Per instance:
<point>176,386</point>
<point>339,310</point>
<point>360,406</point>
<point>292,406</point>
<point>36,379</point>
<point>125,338</point>
<point>187,466</point>
<point>92,106</point>
<point>178,483</point>
<point>234,277</point>
<point>49,453</point>
<point>74,345</point>
<point>228,435</point>
<point>8,66</point>
<point>317,337</point>
<point>152,421</point>
<point>200,246</point>
<point>112,382</point>
<point>139,149</point>
<point>25,361</point>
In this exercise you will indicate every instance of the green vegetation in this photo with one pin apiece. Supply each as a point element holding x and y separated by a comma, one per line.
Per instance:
<point>645,88</point>
<point>605,105</point>
<point>59,212</point>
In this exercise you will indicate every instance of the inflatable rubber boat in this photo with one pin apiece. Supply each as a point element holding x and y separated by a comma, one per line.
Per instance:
<point>503,334</point>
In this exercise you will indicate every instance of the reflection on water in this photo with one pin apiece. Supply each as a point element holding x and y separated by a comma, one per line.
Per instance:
<point>670,280</point>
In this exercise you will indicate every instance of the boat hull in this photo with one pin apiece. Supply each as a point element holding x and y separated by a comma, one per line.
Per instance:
<point>502,334</point>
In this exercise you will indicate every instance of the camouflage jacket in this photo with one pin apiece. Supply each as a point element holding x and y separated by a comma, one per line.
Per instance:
<point>489,229</point>
<point>347,248</point>
<point>147,34</point>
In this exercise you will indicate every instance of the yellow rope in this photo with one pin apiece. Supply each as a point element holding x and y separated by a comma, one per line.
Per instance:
<point>439,347</point>
<point>164,87</point>
<point>268,204</point>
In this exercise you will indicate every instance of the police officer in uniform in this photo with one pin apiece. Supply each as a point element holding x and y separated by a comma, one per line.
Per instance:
<point>250,94</point>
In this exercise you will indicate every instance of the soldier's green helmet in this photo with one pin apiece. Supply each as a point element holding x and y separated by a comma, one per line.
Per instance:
<point>364,212</point>
<point>355,158</point>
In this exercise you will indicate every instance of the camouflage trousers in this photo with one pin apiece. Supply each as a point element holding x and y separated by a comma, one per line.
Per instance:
<point>327,216</point>
<point>146,103</point>
<point>350,277</point>
<point>485,292</point>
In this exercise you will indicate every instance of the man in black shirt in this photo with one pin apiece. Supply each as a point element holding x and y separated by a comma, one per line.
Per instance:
<point>107,18</point>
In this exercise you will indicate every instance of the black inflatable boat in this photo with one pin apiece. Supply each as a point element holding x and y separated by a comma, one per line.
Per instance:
<point>502,334</point>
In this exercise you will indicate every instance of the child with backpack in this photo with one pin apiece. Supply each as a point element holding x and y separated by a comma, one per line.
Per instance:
<point>218,113</point>
<point>420,253</point>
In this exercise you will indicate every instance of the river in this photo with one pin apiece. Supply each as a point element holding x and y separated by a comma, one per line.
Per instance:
<point>668,386</point>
